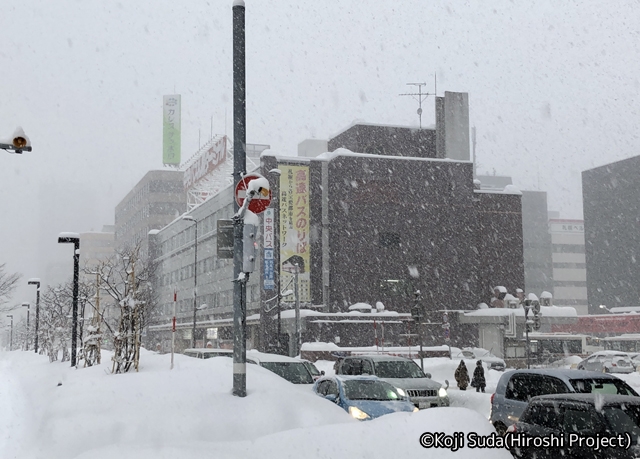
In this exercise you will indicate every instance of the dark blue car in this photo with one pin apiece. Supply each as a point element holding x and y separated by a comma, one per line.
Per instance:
<point>363,397</point>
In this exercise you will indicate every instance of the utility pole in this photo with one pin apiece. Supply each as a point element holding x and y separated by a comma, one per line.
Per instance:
<point>239,171</point>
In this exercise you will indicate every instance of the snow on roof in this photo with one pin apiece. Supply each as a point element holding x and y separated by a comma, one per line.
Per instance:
<point>360,307</point>
<point>509,189</point>
<point>329,156</point>
<point>366,123</point>
<point>625,309</point>
<point>290,313</point>
<point>70,235</point>
<point>545,311</point>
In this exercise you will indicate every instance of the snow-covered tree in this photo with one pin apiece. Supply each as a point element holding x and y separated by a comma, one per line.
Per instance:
<point>127,280</point>
<point>8,284</point>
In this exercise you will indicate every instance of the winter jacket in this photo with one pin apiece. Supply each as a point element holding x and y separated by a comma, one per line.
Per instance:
<point>462,375</point>
<point>478,376</point>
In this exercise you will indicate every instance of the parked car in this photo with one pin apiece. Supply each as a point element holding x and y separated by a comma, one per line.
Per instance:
<point>516,387</point>
<point>207,353</point>
<point>363,397</point>
<point>402,373</point>
<point>477,353</point>
<point>291,369</point>
<point>581,416</point>
<point>608,362</point>
<point>635,359</point>
<point>315,373</point>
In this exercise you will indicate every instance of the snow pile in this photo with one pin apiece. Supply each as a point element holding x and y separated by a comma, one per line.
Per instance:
<point>189,412</point>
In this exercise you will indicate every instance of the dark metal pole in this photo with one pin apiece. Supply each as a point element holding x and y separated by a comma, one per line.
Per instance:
<point>37,314</point>
<point>195,285</point>
<point>239,170</point>
<point>74,326</point>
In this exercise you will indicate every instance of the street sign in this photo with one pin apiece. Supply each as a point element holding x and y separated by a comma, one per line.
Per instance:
<point>224,243</point>
<point>258,203</point>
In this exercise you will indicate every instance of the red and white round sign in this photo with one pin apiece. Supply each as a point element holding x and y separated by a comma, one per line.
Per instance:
<point>259,202</point>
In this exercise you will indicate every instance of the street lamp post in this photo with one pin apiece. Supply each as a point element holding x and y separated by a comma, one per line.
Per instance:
<point>19,142</point>
<point>28,306</point>
<point>195,275</point>
<point>36,282</point>
<point>73,238</point>
<point>11,338</point>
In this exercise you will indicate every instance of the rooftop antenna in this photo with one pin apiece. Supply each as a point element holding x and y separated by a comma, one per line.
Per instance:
<point>421,97</point>
<point>211,127</point>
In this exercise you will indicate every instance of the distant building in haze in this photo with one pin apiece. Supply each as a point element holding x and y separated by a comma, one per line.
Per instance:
<point>156,200</point>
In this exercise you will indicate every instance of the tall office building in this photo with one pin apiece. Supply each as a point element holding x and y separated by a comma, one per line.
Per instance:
<point>156,200</point>
<point>611,201</point>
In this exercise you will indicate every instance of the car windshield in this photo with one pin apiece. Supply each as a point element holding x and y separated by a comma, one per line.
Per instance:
<point>312,368</point>
<point>370,390</point>
<point>294,372</point>
<point>602,386</point>
<point>398,369</point>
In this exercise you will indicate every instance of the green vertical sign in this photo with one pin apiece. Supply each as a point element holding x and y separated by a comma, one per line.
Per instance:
<point>171,129</point>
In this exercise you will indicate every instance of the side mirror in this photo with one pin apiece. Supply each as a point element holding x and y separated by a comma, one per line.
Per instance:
<point>332,397</point>
<point>428,375</point>
<point>322,372</point>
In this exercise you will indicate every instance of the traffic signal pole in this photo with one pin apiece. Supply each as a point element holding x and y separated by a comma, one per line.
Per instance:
<point>239,171</point>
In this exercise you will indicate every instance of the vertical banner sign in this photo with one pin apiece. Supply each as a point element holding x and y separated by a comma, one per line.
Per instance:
<point>294,231</point>
<point>171,129</point>
<point>269,283</point>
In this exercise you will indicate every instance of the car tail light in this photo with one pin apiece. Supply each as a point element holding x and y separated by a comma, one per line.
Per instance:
<point>613,364</point>
<point>512,428</point>
<point>492,395</point>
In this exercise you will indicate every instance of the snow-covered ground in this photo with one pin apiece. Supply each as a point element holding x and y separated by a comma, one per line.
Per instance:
<point>49,410</point>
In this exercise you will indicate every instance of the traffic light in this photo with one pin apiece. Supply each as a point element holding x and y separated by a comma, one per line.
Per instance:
<point>249,247</point>
<point>536,322</point>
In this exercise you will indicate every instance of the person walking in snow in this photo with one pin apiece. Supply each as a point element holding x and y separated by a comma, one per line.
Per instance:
<point>462,376</point>
<point>478,380</point>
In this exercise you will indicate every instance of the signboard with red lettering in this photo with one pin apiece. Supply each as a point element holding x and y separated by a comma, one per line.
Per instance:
<point>259,203</point>
<point>294,230</point>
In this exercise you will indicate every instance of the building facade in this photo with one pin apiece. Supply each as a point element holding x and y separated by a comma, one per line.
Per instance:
<point>156,200</point>
<point>569,264</point>
<point>611,201</point>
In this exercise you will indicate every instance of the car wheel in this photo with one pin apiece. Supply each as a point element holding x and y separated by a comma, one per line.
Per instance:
<point>500,428</point>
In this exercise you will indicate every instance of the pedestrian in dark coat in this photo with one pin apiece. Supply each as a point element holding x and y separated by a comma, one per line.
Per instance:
<point>478,380</point>
<point>462,376</point>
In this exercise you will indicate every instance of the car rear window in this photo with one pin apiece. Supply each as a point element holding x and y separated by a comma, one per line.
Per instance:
<point>623,419</point>
<point>602,386</point>
<point>294,372</point>
<point>542,415</point>
<point>522,387</point>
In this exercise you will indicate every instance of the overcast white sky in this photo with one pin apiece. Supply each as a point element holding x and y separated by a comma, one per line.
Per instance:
<point>552,88</point>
